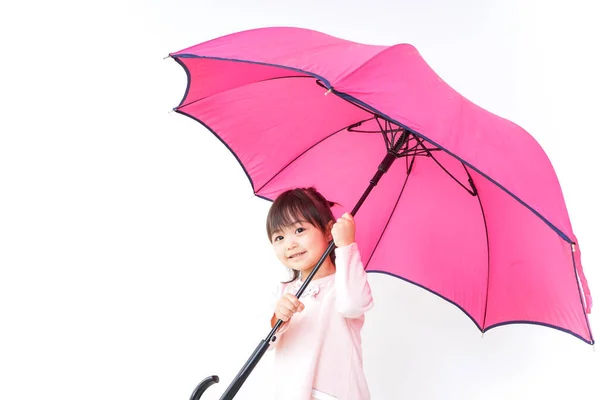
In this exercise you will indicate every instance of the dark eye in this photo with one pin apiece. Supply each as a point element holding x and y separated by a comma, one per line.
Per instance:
<point>277,238</point>
<point>300,230</point>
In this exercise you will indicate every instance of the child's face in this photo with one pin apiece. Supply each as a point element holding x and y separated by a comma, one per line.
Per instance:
<point>300,246</point>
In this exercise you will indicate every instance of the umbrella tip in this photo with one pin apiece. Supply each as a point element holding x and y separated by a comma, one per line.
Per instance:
<point>329,91</point>
<point>168,56</point>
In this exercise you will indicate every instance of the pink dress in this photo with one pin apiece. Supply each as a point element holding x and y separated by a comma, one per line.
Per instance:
<point>319,351</point>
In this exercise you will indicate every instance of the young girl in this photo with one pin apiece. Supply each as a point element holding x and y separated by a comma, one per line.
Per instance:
<point>318,348</point>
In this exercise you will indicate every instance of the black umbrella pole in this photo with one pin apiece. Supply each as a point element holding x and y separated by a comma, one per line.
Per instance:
<point>385,165</point>
<point>264,344</point>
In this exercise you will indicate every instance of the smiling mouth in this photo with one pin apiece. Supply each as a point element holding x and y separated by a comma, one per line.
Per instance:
<point>297,255</point>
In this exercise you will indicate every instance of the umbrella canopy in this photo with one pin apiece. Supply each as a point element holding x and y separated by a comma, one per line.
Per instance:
<point>473,211</point>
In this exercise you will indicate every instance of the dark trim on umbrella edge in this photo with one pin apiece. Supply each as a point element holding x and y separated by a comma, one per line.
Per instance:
<point>189,82</point>
<point>264,198</point>
<point>375,271</point>
<point>222,141</point>
<point>546,325</point>
<point>473,320</point>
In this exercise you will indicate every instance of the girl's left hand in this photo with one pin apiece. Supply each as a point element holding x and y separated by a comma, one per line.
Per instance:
<point>343,230</point>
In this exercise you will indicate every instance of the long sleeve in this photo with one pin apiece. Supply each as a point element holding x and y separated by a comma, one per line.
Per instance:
<point>353,293</point>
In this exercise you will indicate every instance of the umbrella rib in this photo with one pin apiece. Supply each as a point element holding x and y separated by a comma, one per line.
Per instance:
<point>387,141</point>
<point>409,169</point>
<point>308,149</point>
<point>487,241</point>
<point>471,192</point>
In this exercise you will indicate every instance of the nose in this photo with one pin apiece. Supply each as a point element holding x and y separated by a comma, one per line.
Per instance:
<point>291,243</point>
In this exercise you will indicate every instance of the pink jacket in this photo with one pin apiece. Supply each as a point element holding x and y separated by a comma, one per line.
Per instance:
<point>320,347</point>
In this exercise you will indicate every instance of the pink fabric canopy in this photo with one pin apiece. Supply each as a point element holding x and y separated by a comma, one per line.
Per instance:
<point>283,99</point>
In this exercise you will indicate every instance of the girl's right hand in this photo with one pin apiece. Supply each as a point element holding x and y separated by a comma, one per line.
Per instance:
<point>287,306</point>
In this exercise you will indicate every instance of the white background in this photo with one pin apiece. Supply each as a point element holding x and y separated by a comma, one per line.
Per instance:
<point>133,255</point>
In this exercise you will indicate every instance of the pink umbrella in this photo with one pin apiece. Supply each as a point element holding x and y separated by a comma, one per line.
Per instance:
<point>473,212</point>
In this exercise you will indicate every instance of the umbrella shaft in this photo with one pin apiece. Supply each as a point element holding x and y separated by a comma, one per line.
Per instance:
<point>385,165</point>
<point>241,377</point>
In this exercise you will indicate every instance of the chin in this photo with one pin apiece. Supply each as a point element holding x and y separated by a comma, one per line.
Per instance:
<point>303,270</point>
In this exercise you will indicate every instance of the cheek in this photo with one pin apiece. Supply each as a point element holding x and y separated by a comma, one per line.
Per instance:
<point>317,242</point>
<point>279,252</point>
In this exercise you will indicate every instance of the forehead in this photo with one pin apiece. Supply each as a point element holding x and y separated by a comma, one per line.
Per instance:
<point>286,215</point>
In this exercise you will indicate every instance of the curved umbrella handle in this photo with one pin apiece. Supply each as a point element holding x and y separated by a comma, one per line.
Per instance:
<point>202,386</point>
